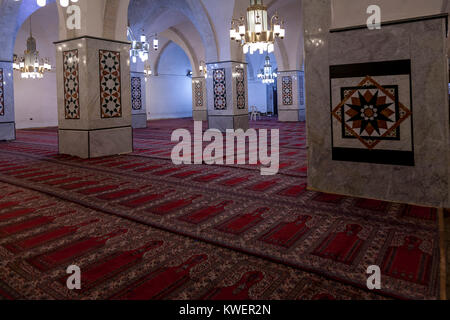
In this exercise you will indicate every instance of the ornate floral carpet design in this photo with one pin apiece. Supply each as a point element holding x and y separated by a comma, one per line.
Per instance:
<point>321,243</point>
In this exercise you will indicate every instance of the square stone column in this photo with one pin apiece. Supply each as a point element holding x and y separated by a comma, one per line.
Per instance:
<point>199,105</point>
<point>138,100</point>
<point>291,96</point>
<point>7,124</point>
<point>94,100</point>
<point>227,96</point>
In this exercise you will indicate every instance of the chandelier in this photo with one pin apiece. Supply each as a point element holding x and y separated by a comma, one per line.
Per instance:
<point>266,74</point>
<point>63,3</point>
<point>30,66</point>
<point>141,48</point>
<point>256,34</point>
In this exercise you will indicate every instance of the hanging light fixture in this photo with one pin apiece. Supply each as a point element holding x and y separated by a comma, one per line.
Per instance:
<point>255,33</point>
<point>30,66</point>
<point>266,74</point>
<point>140,49</point>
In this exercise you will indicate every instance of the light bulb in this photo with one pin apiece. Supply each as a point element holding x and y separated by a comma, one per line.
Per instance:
<point>277,29</point>
<point>242,30</point>
<point>64,3</point>
<point>232,34</point>
<point>258,28</point>
<point>41,3</point>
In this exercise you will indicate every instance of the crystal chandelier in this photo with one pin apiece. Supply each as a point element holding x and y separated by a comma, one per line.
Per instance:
<point>256,34</point>
<point>141,48</point>
<point>63,3</point>
<point>30,66</point>
<point>266,74</point>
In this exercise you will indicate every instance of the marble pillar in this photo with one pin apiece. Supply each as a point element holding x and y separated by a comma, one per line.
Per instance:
<point>377,108</point>
<point>7,124</point>
<point>291,96</point>
<point>94,97</point>
<point>227,96</point>
<point>138,100</point>
<point>199,104</point>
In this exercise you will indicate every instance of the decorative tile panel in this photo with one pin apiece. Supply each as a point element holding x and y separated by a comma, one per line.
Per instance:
<point>2,95</point>
<point>301,93</point>
<point>198,92</point>
<point>220,91</point>
<point>136,93</point>
<point>240,88</point>
<point>372,116</point>
<point>71,84</point>
<point>110,84</point>
<point>287,91</point>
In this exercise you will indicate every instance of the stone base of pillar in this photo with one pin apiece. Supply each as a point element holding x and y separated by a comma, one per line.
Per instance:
<point>292,115</point>
<point>200,115</point>
<point>288,115</point>
<point>223,123</point>
<point>87,144</point>
<point>7,131</point>
<point>139,121</point>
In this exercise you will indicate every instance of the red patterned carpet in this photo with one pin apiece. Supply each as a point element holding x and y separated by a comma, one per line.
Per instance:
<point>142,228</point>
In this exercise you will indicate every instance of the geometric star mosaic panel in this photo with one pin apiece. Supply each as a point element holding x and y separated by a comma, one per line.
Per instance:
<point>287,91</point>
<point>136,93</point>
<point>220,91</point>
<point>240,88</point>
<point>110,84</point>
<point>372,114</point>
<point>198,92</point>
<point>71,85</point>
<point>2,95</point>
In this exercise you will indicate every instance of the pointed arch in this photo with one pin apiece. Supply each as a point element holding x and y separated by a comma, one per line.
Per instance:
<point>141,11</point>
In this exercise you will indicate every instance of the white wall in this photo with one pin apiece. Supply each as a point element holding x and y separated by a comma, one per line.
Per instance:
<point>169,95</point>
<point>35,100</point>
<point>257,95</point>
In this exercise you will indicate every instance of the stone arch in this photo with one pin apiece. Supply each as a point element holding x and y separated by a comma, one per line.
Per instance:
<point>174,35</point>
<point>191,57</point>
<point>12,15</point>
<point>141,11</point>
<point>116,19</point>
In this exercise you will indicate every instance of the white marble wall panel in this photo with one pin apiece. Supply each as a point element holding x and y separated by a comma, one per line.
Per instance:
<point>424,43</point>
